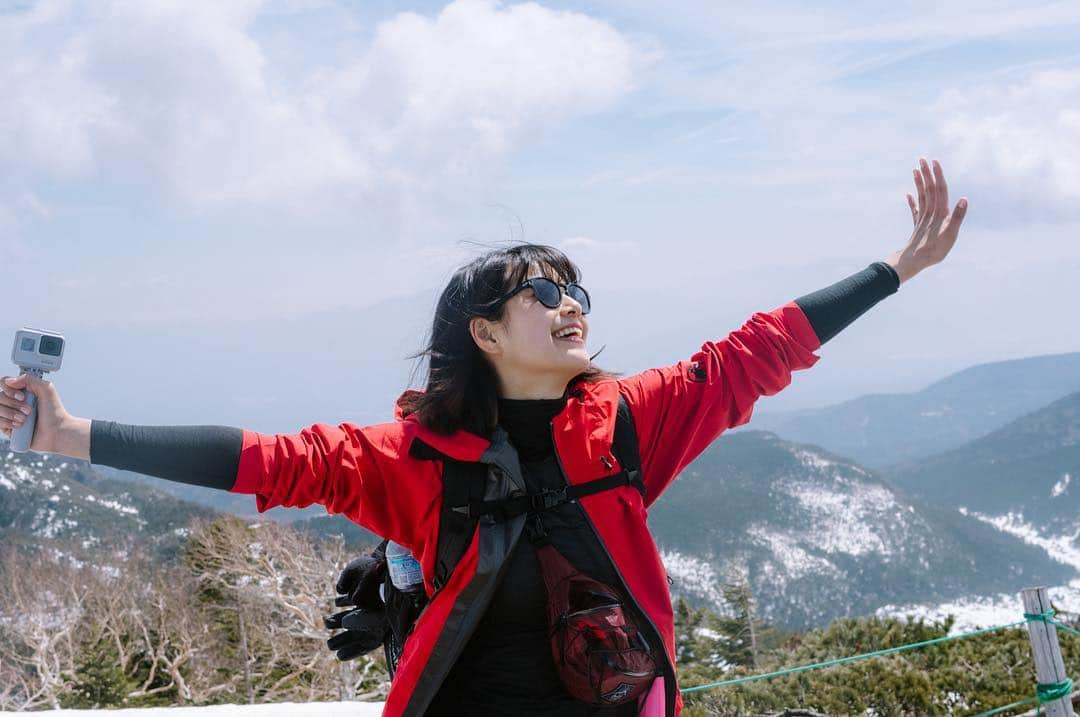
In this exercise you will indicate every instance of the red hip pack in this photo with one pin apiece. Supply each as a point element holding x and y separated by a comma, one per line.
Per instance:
<point>600,654</point>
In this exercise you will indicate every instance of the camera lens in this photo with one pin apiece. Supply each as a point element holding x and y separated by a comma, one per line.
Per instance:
<point>51,345</point>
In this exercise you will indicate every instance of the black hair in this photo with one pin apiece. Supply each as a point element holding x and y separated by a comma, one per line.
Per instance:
<point>462,387</point>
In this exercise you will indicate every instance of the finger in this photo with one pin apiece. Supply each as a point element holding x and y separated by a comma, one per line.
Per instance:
<point>942,188</point>
<point>10,414</point>
<point>333,622</point>
<point>12,393</point>
<point>931,192</point>
<point>364,620</point>
<point>914,211</point>
<point>921,188</point>
<point>354,651</point>
<point>339,640</point>
<point>14,404</point>
<point>958,214</point>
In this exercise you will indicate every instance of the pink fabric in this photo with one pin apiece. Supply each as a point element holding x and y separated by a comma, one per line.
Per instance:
<point>653,706</point>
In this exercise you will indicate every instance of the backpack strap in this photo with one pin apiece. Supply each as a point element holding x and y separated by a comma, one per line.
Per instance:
<point>463,483</point>
<point>625,448</point>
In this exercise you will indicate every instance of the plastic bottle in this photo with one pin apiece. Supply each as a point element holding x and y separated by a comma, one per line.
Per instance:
<point>404,570</point>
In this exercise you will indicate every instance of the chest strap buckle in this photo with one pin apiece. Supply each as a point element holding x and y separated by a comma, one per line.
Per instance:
<point>548,499</point>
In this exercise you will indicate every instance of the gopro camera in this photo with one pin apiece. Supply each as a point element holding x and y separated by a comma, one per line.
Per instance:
<point>35,352</point>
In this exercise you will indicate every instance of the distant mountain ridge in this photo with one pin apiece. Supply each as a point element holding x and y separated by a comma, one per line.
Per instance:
<point>1030,467</point>
<point>879,430</point>
<point>807,526</point>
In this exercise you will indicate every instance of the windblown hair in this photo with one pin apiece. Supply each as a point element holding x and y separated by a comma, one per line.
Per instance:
<point>462,387</point>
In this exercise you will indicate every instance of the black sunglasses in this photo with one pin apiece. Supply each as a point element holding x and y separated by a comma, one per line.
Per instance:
<point>550,294</point>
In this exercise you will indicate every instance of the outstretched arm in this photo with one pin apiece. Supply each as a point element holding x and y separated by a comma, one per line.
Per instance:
<point>680,409</point>
<point>363,472</point>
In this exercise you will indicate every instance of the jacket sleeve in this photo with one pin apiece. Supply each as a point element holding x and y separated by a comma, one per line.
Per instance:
<point>680,409</point>
<point>364,473</point>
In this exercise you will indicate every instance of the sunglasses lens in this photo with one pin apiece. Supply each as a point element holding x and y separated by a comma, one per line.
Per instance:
<point>579,295</point>
<point>547,291</point>
<point>550,295</point>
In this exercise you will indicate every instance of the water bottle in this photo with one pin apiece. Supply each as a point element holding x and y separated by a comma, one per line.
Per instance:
<point>404,569</point>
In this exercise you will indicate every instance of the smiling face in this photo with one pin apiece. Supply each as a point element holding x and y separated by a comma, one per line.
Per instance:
<point>529,359</point>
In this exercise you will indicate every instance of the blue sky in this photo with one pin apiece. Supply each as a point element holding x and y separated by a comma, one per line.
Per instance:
<point>172,166</point>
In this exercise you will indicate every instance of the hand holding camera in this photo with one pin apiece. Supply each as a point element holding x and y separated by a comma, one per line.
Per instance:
<point>31,413</point>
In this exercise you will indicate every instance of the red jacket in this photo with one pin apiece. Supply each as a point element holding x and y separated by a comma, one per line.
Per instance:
<point>376,476</point>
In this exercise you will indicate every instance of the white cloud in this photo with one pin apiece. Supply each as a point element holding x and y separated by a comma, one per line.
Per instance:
<point>183,96</point>
<point>1021,135</point>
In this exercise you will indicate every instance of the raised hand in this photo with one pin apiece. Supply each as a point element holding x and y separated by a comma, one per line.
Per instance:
<point>936,228</point>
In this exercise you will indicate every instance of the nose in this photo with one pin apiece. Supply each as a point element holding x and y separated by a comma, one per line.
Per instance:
<point>570,305</point>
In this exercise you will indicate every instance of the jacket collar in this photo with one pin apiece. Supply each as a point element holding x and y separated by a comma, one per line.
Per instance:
<point>589,413</point>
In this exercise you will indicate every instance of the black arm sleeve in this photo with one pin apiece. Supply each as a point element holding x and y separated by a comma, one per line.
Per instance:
<point>201,455</point>
<point>831,309</point>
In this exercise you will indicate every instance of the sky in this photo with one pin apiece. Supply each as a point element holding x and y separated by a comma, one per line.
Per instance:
<point>244,169</point>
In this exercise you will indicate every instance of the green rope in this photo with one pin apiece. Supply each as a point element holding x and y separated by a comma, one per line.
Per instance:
<point>852,658</point>
<point>1006,708</point>
<point>1051,691</point>
<point>1047,616</point>
<point>1044,692</point>
<point>1065,627</point>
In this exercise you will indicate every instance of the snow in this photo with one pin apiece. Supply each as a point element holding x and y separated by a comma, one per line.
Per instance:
<point>975,612</point>
<point>793,560</point>
<point>813,460</point>
<point>847,520</point>
<point>113,504</point>
<point>1060,547</point>
<point>282,709</point>
<point>986,611</point>
<point>1060,487</point>
<point>6,483</point>
<point>694,576</point>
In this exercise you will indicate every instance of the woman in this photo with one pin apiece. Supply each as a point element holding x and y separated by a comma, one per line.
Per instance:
<point>511,386</point>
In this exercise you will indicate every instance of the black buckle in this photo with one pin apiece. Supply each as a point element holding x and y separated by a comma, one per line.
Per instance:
<point>547,499</point>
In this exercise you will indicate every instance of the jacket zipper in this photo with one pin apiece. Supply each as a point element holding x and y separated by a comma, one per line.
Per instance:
<point>669,671</point>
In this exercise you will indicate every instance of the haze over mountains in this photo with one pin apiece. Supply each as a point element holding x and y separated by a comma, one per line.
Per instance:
<point>1029,467</point>
<point>804,522</point>
<point>881,429</point>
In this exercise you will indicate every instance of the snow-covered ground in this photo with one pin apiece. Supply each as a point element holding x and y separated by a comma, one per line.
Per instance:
<point>986,611</point>
<point>283,709</point>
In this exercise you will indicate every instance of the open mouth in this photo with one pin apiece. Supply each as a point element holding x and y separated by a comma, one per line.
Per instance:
<point>572,335</point>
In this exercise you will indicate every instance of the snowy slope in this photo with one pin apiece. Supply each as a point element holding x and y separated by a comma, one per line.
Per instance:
<point>807,526</point>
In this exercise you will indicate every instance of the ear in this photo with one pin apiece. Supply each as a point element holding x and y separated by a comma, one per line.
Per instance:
<point>484,333</point>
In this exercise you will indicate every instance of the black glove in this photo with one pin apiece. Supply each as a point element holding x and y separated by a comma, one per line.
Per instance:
<point>366,625</point>
<point>359,582</point>
<point>364,631</point>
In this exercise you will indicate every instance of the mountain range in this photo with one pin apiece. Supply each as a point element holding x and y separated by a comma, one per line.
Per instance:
<point>882,429</point>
